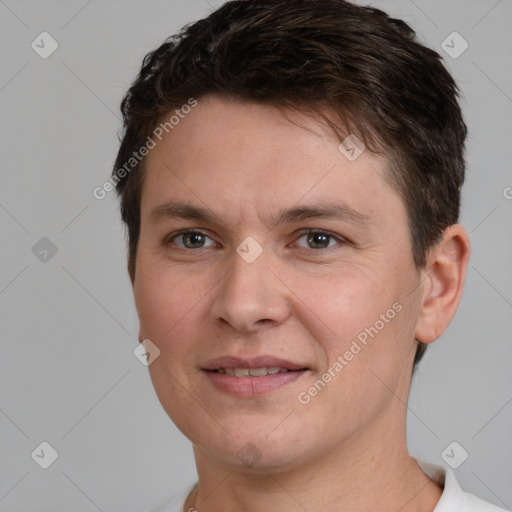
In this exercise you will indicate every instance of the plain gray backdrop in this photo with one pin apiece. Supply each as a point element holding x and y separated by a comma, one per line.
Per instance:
<point>69,327</point>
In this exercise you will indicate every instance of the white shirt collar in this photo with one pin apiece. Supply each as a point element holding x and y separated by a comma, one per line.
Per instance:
<point>454,498</point>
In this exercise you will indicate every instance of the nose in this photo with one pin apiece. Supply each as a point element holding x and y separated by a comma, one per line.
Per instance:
<point>251,296</point>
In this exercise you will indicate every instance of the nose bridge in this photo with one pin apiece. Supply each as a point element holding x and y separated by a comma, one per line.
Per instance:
<point>250,294</point>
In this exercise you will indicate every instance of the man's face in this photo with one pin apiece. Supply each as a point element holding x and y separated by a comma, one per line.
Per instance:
<point>286,297</point>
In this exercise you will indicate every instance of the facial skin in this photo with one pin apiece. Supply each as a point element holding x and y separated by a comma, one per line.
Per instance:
<point>297,301</point>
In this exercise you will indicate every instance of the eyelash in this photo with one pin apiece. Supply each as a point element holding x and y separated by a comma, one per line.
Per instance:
<point>341,241</point>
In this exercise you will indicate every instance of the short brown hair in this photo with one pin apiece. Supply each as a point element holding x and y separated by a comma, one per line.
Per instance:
<point>326,56</point>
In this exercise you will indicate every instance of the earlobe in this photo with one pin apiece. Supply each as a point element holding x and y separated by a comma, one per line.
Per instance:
<point>443,282</point>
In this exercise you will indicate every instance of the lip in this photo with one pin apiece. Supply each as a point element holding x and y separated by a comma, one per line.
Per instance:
<point>253,362</point>
<point>250,387</point>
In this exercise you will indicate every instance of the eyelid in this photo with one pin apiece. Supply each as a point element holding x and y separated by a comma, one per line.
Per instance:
<point>307,231</point>
<point>168,239</point>
<point>299,234</point>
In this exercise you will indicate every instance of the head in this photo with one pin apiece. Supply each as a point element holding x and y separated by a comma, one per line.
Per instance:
<point>241,116</point>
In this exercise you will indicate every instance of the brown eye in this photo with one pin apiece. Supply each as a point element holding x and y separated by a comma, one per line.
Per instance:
<point>319,240</point>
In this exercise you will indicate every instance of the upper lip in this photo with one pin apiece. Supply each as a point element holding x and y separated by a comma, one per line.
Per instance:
<point>251,362</point>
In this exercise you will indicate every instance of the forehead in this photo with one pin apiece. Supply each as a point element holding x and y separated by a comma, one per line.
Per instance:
<point>242,156</point>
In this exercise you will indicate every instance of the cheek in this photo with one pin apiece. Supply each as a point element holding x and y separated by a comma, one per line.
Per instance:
<point>366,358</point>
<point>368,325</point>
<point>164,299</point>
<point>165,304</point>
<point>346,302</point>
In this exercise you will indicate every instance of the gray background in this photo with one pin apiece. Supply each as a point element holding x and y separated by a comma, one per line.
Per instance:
<point>69,327</point>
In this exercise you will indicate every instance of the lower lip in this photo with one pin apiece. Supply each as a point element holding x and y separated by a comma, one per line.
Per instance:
<point>252,386</point>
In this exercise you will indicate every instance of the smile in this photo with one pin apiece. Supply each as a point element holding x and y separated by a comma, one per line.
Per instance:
<point>252,372</point>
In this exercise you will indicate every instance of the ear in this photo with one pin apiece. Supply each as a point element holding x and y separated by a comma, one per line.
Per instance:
<point>442,283</point>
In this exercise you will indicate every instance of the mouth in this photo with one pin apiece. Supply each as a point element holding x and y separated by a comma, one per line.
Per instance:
<point>253,377</point>
<point>254,372</point>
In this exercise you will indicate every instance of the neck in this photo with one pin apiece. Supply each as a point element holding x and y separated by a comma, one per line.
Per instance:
<point>371,471</point>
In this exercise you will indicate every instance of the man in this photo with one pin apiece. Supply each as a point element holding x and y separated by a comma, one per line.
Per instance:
<point>290,176</point>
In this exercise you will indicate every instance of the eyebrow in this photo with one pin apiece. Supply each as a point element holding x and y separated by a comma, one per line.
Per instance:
<point>339,211</point>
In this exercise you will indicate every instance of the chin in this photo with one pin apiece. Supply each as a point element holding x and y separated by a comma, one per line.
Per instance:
<point>252,449</point>
<point>258,459</point>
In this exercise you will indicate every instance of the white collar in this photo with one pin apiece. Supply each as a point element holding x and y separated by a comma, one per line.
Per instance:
<point>454,498</point>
